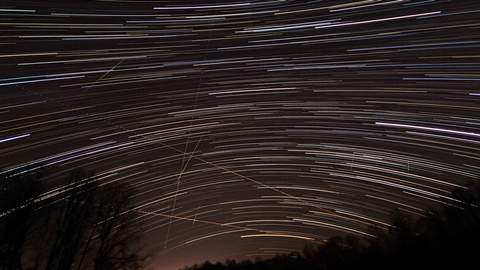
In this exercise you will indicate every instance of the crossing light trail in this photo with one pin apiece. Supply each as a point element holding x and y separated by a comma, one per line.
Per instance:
<point>249,126</point>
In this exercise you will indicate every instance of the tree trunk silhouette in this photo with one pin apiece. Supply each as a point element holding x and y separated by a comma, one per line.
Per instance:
<point>86,225</point>
<point>17,193</point>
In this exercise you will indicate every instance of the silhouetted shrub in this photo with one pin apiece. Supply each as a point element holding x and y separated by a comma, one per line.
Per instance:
<point>443,239</point>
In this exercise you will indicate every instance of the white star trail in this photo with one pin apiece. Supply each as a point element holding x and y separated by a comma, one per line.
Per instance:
<point>248,127</point>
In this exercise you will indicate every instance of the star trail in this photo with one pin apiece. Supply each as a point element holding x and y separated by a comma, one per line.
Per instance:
<point>248,128</point>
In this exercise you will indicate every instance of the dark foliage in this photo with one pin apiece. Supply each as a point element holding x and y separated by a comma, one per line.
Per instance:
<point>17,193</point>
<point>82,225</point>
<point>446,239</point>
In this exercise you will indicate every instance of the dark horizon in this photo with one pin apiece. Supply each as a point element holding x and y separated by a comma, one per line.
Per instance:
<point>245,129</point>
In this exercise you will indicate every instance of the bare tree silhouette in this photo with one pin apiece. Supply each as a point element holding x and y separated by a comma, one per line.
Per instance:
<point>445,238</point>
<point>17,194</point>
<point>84,225</point>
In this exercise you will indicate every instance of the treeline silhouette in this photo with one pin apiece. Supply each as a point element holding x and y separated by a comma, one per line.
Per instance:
<point>446,238</point>
<point>81,225</point>
<point>88,225</point>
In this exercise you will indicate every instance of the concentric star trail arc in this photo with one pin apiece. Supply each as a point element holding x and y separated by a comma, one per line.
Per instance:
<point>246,127</point>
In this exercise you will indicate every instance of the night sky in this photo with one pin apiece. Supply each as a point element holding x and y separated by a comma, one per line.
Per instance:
<point>247,128</point>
